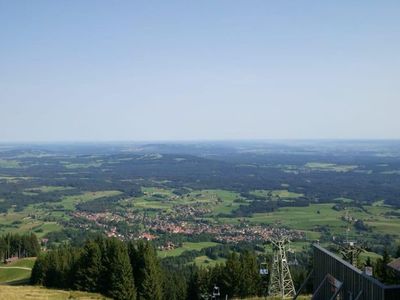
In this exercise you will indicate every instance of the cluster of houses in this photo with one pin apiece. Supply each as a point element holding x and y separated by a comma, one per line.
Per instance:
<point>191,210</point>
<point>160,224</point>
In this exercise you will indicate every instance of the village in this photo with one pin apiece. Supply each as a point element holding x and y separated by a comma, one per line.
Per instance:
<point>150,227</point>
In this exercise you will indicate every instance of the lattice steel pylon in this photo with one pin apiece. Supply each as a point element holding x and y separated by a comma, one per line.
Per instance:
<point>281,283</point>
<point>350,253</point>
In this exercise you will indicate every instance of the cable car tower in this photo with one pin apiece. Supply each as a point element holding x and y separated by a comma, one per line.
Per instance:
<point>281,283</point>
<point>349,250</point>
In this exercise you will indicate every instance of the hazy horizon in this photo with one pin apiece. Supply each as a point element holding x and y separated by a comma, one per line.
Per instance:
<point>97,71</point>
<point>316,141</point>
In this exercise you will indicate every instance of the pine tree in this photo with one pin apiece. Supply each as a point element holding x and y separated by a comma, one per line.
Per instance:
<point>53,276</point>
<point>219,279</point>
<point>71,260</point>
<point>250,279</point>
<point>192,287</point>
<point>105,262</point>
<point>2,249</point>
<point>147,271</point>
<point>203,283</point>
<point>39,271</point>
<point>89,268</point>
<point>382,271</point>
<point>34,246</point>
<point>60,267</point>
<point>233,272</point>
<point>121,284</point>
<point>174,286</point>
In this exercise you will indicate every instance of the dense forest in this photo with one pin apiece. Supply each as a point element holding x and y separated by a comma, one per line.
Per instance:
<point>132,270</point>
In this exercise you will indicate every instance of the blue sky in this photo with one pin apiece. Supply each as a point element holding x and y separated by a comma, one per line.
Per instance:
<point>188,70</point>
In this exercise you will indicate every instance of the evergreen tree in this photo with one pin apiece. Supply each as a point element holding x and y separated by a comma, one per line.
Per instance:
<point>60,267</point>
<point>120,278</point>
<point>39,271</point>
<point>233,271</point>
<point>34,246</point>
<point>250,278</point>
<point>192,287</point>
<point>174,286</point>
<point>382,271</point>
<point>53,276</point>
<point>89,268</point>
<point>2,249</point>
<point>147,271</point>
<point>219,279</point>
<point>105,262</point>
<point>203,283</point>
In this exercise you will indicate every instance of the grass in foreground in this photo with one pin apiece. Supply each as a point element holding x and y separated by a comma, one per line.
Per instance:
<point>14,275</point>
<point>39,293</point>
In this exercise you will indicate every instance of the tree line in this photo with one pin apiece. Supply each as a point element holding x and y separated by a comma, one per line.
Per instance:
<point>109,266</point>
<point>16,245</point>
<point>133,271</point>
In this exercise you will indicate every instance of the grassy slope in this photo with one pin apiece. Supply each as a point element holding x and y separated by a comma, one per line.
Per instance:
<point>38,293</point>
<point>24,262</point>
<point>17,271</point>
<point>14,275</point>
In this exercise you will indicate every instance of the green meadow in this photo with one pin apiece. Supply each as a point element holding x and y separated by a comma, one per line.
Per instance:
<point>186,247</point>
<point>205,261</point>
<point>277,193</point>
<point>18,271</point>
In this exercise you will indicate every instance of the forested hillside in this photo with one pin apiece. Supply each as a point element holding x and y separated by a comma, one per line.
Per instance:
<point>133,271</point>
